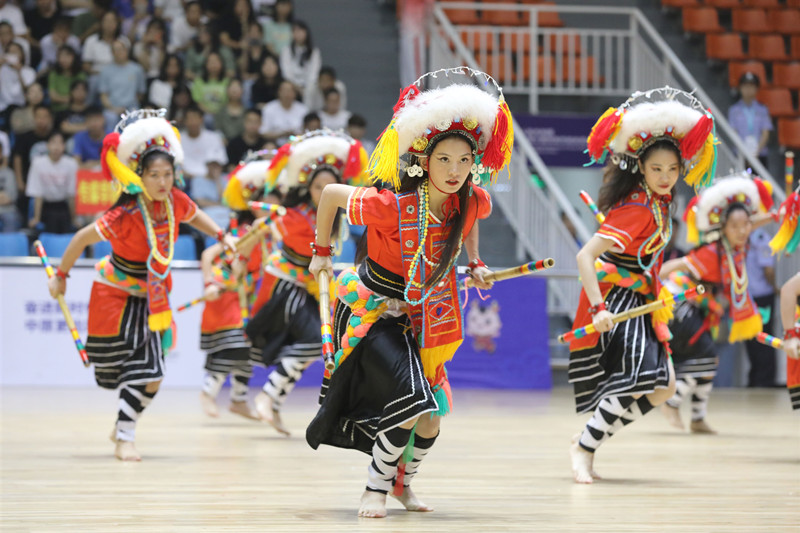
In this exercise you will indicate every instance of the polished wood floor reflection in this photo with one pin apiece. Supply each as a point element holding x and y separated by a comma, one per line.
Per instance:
<point>500,464</point>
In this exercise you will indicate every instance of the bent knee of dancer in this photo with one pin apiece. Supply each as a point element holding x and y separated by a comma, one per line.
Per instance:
<point>428,426</point>
<point>152,386</point>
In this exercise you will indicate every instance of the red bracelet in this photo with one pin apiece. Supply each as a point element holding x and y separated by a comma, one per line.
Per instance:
<point>597,308</point>
<point>220,235</point>
<point>792,333</point>
<point>61,274</point>
<point>475,263</point>
<point>322,251</point>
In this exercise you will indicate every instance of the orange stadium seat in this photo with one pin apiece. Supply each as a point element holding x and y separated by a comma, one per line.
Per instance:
<point>701,20</point>
<point>761,3</point>
<point>725,47</point>
<point>795,47</point>
<point>549,19</point>
<point>750,21</point>
<point>786,75</point>
<point>767,48</point>
<point>792,3</point>
<point>478,39</point>
<point>724,4</point>
<point>737,68</point>
<point>789,132</point>
<point>567,40</point>
<point>502,18</point>
<point>786,21</point>
<point>680,3</point>
<point>516,42</point>
<point>778,101</point>
<point>462,16</point>
<point>582,73</point>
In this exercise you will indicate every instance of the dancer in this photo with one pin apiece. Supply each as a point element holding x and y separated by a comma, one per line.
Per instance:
<point>790,299</point>
<point>624,370</point>
<point>227,289</point>
<point>285,328</point>
<point>397,320</point>
<point>723,216</point>
<point>130,322</point>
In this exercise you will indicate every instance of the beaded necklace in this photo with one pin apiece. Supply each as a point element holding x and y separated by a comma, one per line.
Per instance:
<point>654,245</point>
<point>739,294</point>
<point>422,221</point>
<point>152,240</point>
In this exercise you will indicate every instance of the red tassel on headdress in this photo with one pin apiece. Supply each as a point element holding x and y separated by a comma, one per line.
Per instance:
<point>603,132</point>
<point>494,156</point>
<point>765,192</point>
<point>692,203</point>
<point>696,138</point>
<point>282,153</point>
<point>353,165</point>
<point>409,93</point>
<point>109,141</point>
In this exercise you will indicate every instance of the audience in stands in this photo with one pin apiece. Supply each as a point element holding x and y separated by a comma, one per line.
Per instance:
<point>314,96</point>
<point>27,146</point>
<point>22,117</point>
<point>170,77</point>
<point>41,21</point>
<point>181,102</point>
<point>9,216</point>
<point>136,27</point>
<point>151,50</point>
<point>51,185</point>
<point>185,28</point>
<point>357,129</point>
<point>52,43</point>
<point>169,10</point>
<point>13,14</point>
<point>88,22</point>
<point>206,43</point>
<point>199,145</point>
<point>88,144</point>
<point>301,61</point>
<point>97,50</point>
<point>278,30</point>
<point>333,115</point>
<point>64,72</point>
<point>249,140</point>
<point>209,90</point>
<point>15,76</point>
<point>207,190</point>
<point>750,118</point>
<point>311,122</point>
<point>253,54</point>
<point>121,84</point>
<point>230,119</point>
<point>265,89</point>
<point>73,119</point>
<point>283,117</point>
<point>232,25</point>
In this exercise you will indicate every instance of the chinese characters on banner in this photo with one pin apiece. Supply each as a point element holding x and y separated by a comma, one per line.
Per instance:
<point>94,194</point>
<point>44,316</point>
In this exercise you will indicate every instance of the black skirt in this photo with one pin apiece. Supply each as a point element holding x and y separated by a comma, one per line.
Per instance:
<point>692,354</point>
<point>288,325</point>
<point>226,350</point>
<point>627,360</point>
<point>379,386</point>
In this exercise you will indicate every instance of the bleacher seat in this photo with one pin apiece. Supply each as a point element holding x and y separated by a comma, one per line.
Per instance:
<point>582,71</point>
<point>785,21</point>
<point>778,101</point>
<point>795,46</point>
<point>750,21</point>
<point>209,241</point>
<point>566,40</point>
<point>723,4</point>
<point>548,19</point>
<point>789,132</point>
<point>479,39</point>
<point>55,243</point>
<point>737,68</point>
<point>701,20</point>
<point>516,42</point>
<point>761,3</point>
<point>502,18</point>
<point>725,47</point>
<point>463,16</point>
<point>767,48</point>
<point>678,4</point>
<point>101,249</point>
<point>185,249</point>
<point>13,245</point>
<point>786,75</point>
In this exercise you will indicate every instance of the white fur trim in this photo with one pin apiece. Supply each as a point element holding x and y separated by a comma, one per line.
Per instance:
<point>253,173</point>
<point>654,118</point>
<point>134,136</point>
<point>307,151</point>
<point>717,194</point>
<point>445,104</point>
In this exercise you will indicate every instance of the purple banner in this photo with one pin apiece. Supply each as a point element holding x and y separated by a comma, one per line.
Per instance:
<point>559,139</point>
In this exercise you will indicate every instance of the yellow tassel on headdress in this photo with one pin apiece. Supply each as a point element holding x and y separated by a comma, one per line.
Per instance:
<point>123,173</point>
<point>743,330</point>
<point>692,235</point>
<point>159,321</point>
<point>785,233</point>
<point>233,195</point>
<point>508,142</point>
<point>383,162</point>
<point>433,358</point>
<point>704,169</point>
<point>273,173</point>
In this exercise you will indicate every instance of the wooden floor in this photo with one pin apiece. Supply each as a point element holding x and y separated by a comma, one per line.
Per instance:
<point>500,464</point>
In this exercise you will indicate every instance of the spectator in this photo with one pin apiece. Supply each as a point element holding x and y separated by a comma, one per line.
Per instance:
<point>207,191</point>
<point>283,117</point>
<point>169,10</point>
<point>5,145</point>
<point>136,26</point>
<point>51,185</point>
<point>28,146</point>
<point>9,217</point>
<point>249,141</point>
<point>88,144</point>
<point>97,50</point>
<point>332,115</point>
<point>7,37</point>
<point>121,85</point>
<point>253,54</point>
<point>761,274</point>
<point>278,30</point>
<point>66,71</point>
<point>209,90</point>
<point>123,8</point>
<point>185,28</point>
<point>170,78</point>
<point>52,43</point>
<point>357,129</point>
<point>262,10</point>
<point>88,23</point>
<point>73,119</point>
<point>230,119</point>
<point>22,117</point>
<point>151,50</point>
<point>181,102</point>
<point>300,61</point>
<point>199,145</point>
<point>265,89</point>
<point>750,118</point>
<point>41,21</point>
<point>204,44</point>
<point>311,122</point>
<point>15,77</point>
<point>14,16</point>
<point>314,96</point>
<point>232,25</point>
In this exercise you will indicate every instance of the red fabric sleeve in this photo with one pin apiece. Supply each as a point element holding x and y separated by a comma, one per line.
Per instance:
<point>112,224</point>
<point>624,223</point>
<point>185,208</point>
<point>704,264</point>
<point>479,207</point>
<point>367,206</point>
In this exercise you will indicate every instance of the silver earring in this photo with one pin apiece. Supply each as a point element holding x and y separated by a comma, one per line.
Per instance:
<point>415,171</point>
<point>476,172</point>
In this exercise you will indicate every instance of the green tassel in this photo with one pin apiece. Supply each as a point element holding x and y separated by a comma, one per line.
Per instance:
<point>167,340</point>
<point>408,451</point>
<point>441,400</point>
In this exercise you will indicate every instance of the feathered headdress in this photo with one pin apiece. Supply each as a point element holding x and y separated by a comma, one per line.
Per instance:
<point>297,161</point>
<point>421,117</point>
<point>247,179</point>
<point>659,114</point>
<point>138,133</point>
<point>705,214</point>
<point>788,236</point>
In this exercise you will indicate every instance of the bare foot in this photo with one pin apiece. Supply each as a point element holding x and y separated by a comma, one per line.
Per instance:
<point>581,462</point>
<point>209,405</point>
<point>244,409</point>
<point>269,414</point>
<point>700,426</point>
<point>673,416</point>
<point>373,505</point>
<point>411,502</point>
<point>126,451</point>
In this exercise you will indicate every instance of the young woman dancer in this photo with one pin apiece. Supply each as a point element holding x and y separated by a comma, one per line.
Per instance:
<point>723,215</point>
<point>397,320</point>
<point>285,328</point>
<point>622,371</point>
<point>129,313</point>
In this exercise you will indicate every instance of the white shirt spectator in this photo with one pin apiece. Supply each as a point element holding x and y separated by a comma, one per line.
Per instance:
<point>98,52</point>
<point>315,100</point>
<point>207,146</point>
<point>171,10</point>
<point>160,93</point>
<point>275,119</point>
<point>12,85</point>
<point>52,181</point>
<point>5,145</point>
<point>181,33</point>
<point>14,16</point>
<point>335,122</point>
<point>50,49</point>
<point>301,75</point>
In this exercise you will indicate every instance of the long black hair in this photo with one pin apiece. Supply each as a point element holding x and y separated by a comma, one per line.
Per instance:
<point>301,194</point>
<point>456,221</point>
<point>309,44</point>
<point>147,159</point>
<point>618,183</point>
